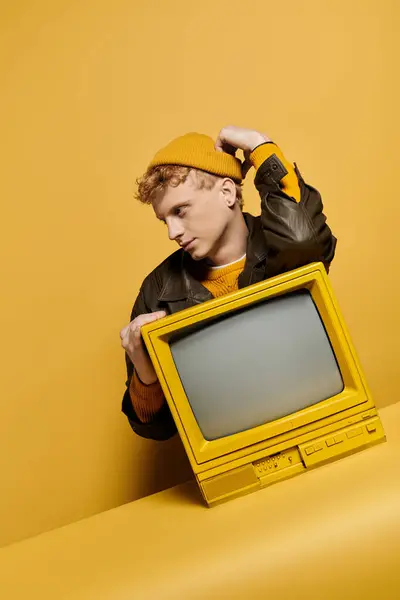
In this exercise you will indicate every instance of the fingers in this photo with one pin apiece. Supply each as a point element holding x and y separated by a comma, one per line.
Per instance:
<point>222,145</point>
<point>218,144</point>
<point>160,314</point>
<point>136,334</point>
<point>231,138</point>
<point>123,332</point>
<point>143,320</point>
<point>134,326</point>
<point>149,317</point>
<point>224,142</point>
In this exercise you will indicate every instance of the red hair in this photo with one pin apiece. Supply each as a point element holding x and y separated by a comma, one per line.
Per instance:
<point>158,178</point>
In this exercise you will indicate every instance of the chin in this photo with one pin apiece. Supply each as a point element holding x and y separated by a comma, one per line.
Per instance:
<point>196,256</point>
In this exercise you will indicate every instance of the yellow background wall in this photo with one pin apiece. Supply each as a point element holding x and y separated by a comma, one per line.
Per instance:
<point>89,90</point>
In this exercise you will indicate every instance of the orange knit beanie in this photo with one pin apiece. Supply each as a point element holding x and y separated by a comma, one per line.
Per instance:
<point>197,150</point>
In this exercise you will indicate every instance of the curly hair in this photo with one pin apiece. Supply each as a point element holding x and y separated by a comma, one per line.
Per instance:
<point>158,178</point>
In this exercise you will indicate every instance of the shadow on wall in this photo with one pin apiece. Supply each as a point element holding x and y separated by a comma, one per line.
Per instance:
<point>163,465</point>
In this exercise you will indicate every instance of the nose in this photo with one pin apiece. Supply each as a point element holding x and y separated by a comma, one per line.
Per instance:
<point>175,229</point>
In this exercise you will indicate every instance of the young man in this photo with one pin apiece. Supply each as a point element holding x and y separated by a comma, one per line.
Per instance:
<point>194,187</point>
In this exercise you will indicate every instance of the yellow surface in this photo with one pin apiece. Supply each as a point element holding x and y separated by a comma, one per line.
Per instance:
<point>345,423</point>
<point>89,91</point>
<point>332,534</point>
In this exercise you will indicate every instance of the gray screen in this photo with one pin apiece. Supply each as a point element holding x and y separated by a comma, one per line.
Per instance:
<point>256,365</point>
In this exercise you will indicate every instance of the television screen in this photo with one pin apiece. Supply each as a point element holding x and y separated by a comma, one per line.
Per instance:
<point>256,365</point>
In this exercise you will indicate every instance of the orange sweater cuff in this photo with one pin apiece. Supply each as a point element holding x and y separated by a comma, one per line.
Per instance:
<point>147,400</point>
<point>289,183</point>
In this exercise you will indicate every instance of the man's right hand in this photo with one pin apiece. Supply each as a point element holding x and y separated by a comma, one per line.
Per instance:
<point>132,342</point>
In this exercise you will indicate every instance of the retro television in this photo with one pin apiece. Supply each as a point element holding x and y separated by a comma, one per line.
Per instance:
<point>263,383</point>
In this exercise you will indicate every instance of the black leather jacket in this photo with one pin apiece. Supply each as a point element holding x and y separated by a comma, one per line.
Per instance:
<point>287,235</point>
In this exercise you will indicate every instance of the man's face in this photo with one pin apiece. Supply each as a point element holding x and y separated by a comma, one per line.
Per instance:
<point>197,219</point>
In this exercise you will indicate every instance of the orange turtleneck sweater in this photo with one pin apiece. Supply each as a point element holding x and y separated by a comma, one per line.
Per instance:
<point>147,400</point>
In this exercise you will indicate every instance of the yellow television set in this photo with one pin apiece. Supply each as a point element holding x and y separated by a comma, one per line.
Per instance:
<point>263,383</point>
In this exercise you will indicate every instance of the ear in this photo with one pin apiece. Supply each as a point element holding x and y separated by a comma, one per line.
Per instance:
<point>228,191</point>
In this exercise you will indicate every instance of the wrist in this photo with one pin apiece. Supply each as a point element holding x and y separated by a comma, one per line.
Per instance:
<point>146,373</point>
<point>257,140</point>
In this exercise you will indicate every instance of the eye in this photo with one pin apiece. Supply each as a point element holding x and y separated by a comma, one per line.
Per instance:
<point>180,211</point>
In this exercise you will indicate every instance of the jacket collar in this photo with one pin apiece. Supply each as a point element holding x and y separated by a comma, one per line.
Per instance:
<point>256,250</point>
<point>182,285</point>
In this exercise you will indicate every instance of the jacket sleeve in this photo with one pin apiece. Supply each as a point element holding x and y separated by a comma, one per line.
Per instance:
<point>162,426</point>
<point>292,218</point>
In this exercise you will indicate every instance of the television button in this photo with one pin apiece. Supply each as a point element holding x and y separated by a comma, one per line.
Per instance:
<point>354,432</point>
<point>371,427</point>
<point>330,442</point>
<point>310,450</point>
<point>318,446</point>
<point>339,438</point>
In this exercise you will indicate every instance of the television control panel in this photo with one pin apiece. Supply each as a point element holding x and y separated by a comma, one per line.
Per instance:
<point>310,453</point>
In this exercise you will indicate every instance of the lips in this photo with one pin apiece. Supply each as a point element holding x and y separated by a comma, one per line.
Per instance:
<point>187,245</point>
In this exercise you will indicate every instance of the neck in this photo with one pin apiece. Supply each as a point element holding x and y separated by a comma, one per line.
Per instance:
<point>233,243</point>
